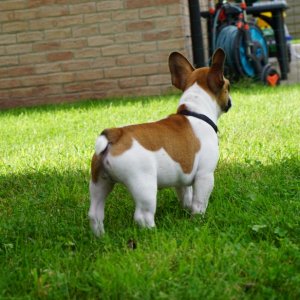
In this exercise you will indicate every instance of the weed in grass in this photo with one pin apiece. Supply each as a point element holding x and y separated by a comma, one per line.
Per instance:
<point>245,247</point>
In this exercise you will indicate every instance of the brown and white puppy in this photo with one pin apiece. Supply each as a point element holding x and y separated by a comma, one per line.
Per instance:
<point>179,151</point>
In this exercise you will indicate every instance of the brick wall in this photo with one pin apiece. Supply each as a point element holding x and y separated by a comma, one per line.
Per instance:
<point>59,50</point>
<point>293,18</point>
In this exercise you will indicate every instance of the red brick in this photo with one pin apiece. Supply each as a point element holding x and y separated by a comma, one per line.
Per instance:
<point>60,78</point>
<point>58,56</point>
<point>139,3</point>
<point>25,14</point>
<point>81,8</point>
<point>41,24</point>
<point>8,60</point>
<point>157,35</point>
<point>4,97</point>
<point>46,46</point>
<point>12,5</point>
<point>163,69</point>
<point>112,28</point>
<point>161,56</point>
<point>180,33</point>
<point>130,60</point>
<point>9,83</point>
<point>47,68</point>
<point>159,79</point>
<point>32,36</point>
<point>168,22</point>
<point>171,44</point>
<point>109,5</point>
<point>54,11</point>
<point>42,3</point>
<point>87,52</point>
<point>34,80</point>
<point>50,23</point>
<point>7,39</point>
<point>7,16</point>
<point>175,9</point>
<point>114,50</point>
<point>76,65</point>
<point>165,2</point>
<point>152,12</point>
<point>104,62</point>
<point>128,37</point>
<point>104,43</point>
<point>125,15</point>
<point>105,84</point>
<point>47,90</point>
<point>32,58</point>
<point>117,72</point>
<point>16,71</point>
<point>18,49</point>
<point>143,47</point>
<point>97,18</point>
<point>78,87</point>
<point>140,25</point>
<point>145,69</point>
<point>89,75</point>
<point>69,21</point>
<point>73,43</point>
<point>21,92</point>
<point>58,34</point>
<point>15,27</point>
<point>132,82</point>
<point>100,41</point>
<point>85,31</point>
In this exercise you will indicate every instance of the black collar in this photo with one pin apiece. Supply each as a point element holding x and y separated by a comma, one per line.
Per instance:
<point>201,117</point>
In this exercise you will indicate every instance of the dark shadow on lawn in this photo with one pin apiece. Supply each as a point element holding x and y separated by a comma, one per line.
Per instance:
<point>47,205</point>
<point>80,105</point>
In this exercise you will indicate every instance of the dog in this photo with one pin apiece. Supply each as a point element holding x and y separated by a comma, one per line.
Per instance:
<point>179,151</point>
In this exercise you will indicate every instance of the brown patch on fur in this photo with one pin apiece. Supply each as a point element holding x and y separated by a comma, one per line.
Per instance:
<point>174,134</point>
<point>112,134</point>
<point>181,108</point>
<point>223,95</point>
<point>96,166</point>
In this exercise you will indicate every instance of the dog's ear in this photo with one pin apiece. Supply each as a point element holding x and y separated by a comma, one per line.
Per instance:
<point>215,78</point>
<point>180,69</point>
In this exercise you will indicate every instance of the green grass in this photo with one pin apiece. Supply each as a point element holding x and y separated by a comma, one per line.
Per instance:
<point>246,246</point>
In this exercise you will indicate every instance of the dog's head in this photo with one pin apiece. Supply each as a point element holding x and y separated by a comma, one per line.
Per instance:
<point>211,79</point>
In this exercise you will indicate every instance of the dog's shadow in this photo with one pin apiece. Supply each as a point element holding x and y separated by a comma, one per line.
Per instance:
<point>53,206</point>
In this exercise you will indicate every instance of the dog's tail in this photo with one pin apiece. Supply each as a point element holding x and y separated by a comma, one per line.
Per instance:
<point>101,144</point>
<point>108,136</point>
<point>97,160</point>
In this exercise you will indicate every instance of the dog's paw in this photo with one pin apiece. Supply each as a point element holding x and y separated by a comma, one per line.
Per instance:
<point>97,227</point>
<point>198,208</point>
<point>144,219</point>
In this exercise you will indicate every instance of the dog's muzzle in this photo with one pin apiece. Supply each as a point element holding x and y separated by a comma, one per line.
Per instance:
<point>229,104</point>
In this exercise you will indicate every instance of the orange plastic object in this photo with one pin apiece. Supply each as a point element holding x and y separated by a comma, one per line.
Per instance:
<point>272,80</point>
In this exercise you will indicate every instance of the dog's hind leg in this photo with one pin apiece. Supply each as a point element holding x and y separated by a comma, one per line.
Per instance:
<point>144,193</point>
<point>98,193</point>
<point>100,187</point>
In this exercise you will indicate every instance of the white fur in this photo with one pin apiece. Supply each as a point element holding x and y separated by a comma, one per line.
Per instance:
<point>198,100</point>
<point>144,171</point>
<point>101,144</point>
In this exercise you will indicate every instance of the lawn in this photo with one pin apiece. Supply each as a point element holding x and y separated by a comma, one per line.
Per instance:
<point>246,246</point>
